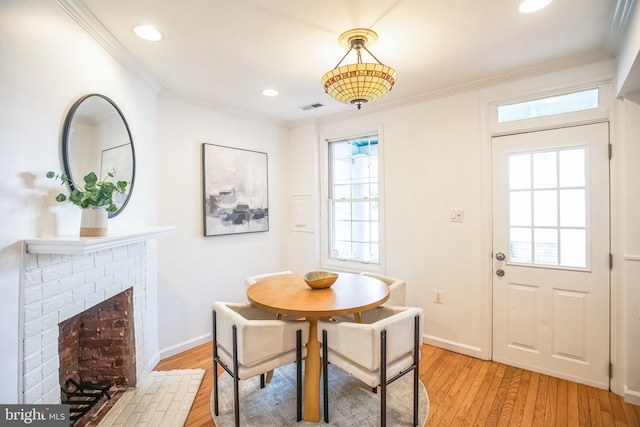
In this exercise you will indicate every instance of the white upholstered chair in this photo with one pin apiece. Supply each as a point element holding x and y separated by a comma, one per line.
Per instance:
<point>248,281</point>
<point>397,289</point>
<point>248,341</point>
<point>383,347</point>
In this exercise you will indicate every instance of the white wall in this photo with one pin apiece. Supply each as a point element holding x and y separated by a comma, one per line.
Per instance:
<point>46,62</point>
<point>195,270</point>
<point>436,157</point>
<point>627,359</point>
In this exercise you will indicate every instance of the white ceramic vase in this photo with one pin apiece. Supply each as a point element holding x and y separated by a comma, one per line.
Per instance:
<point>94,222</point>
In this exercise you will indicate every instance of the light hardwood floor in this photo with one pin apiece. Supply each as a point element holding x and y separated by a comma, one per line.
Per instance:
<point>464,391</point>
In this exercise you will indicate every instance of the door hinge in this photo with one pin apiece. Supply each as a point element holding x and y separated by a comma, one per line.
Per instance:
<point>610,151</point>
<point>610,370</point>
<point>610,261</point>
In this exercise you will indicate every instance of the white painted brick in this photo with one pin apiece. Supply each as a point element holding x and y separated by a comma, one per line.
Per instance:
<point>70,310</point>
<point>120,276</point>
<point>32,311</point>
<point>103,258</point>
<point>112,291</point>
<point>129,262</point>
<point>50,320</point>
<point>32,378</point>
<point>49,350</point>
<point>55,272</point>
<point>30,261</point>
<point>53,396</point>
<point>49,336</point>
<point>32,278</point>
<point>72,281</point>
<point>94,299</point>
<point>34,395</point>
<point>56,259</point>
<point>104,283</point>
<point>44,260</point>
<point>93,274</point>
<point>82,264</point>
<point>32,294</point>
<point>51,367</point>
<point>33,345</point>
<point>56,302</point>
<point>82,292</point>
<point>32,361</point>
<point>51,382</point>
<point>50,289</point>
<point>33,327</point>
<point>120,253</point>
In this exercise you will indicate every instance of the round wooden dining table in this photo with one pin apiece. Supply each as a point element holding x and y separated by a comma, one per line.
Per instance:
<point>289,294</point>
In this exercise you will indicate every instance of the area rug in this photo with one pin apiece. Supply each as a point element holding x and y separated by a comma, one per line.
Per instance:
<point>351,403</point>
<point>164,398</point>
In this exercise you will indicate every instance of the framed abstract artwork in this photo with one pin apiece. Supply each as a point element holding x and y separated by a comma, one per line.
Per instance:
<point>235,190</point>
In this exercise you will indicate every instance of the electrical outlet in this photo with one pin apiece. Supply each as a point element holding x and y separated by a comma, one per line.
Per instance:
<point>438,296</point>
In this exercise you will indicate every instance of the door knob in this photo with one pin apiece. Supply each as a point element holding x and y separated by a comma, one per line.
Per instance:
<point>500,272</point>
<point>500,256</point>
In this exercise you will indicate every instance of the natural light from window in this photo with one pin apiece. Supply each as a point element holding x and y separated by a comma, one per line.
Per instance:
<point>548,208</point>
<point>567,103</point>
<point>353,200</point>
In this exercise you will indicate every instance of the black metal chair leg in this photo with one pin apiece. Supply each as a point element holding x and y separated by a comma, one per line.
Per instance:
<point>383,378</point>
<point>262,381</point>
<point>416,373</point>
<point>325,376</point>
<point>299,375</point>
<point>215,366</point>
<point>236,390</point>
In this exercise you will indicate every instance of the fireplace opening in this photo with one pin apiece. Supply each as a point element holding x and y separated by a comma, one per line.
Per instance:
<point>97,358</point>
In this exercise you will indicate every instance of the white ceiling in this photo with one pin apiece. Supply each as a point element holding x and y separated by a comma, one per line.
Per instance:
<point>223,53</point>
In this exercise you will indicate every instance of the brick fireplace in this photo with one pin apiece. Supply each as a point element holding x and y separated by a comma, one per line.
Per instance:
<point>58,287</point>
<point>97,347</point>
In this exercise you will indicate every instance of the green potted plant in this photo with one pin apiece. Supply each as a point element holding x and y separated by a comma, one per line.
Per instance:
<point>96,198</point>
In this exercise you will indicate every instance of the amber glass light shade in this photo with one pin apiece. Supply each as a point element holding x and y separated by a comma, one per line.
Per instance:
<point>360,82</point>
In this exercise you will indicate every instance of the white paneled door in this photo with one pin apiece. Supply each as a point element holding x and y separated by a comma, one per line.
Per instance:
<point>551,252</point>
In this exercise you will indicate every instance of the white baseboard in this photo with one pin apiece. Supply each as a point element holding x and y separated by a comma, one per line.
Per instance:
<point>631,396</point>
<point>153,361</point>
<point>184,346</point>
<point>457,347</point>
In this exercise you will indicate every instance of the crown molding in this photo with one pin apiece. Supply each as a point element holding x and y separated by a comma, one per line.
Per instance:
<point>87,20</point>
<point>621,15</point>
<point>562,64</point>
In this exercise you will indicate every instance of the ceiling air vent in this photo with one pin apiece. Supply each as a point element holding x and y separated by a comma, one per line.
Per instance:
<point>311,107</point>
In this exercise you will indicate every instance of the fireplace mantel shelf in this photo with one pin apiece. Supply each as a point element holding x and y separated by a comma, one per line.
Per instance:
<point>76,245</point>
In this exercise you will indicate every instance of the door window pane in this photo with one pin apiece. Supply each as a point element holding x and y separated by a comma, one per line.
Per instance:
<point>572,208</point>
<point>520,245</point>
<point>548,207</point>
<point>545,170</point>
<point>573,252</point>
<point>546,246</point>
<point>519,171</point>
<point>572,168</point>
<point>520,208</point>
<point>545,208</point>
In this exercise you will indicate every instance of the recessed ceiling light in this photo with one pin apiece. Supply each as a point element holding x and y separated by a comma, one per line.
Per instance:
<point>270,92</point>
<point>147,32</point>
<point>528,6</point>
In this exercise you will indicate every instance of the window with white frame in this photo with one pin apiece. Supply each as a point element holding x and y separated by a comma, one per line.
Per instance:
<point>353,200</point>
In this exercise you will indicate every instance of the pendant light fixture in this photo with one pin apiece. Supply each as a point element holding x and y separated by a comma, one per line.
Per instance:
<point>360,82</point>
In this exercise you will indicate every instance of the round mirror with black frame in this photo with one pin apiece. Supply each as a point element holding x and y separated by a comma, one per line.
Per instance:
<point>96,138</point>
